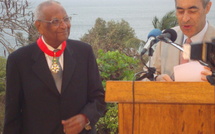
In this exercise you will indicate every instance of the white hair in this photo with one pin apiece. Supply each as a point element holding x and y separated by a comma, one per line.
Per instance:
<point>38,14</point>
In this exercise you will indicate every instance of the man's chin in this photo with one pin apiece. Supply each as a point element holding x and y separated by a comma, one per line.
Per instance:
<point>63,38</point>
<point>187,32</point>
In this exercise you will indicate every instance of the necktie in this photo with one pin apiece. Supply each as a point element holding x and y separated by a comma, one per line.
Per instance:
<point>182,60</point>
<point>57,75</point>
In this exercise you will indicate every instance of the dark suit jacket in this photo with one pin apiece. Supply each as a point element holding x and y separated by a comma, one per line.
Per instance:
<point>33,103</point>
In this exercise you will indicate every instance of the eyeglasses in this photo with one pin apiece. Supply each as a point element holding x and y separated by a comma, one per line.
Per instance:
<point>57,22</point>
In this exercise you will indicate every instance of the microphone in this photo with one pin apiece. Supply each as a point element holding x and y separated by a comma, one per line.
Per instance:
<point>151,40</point>
<point>168,34</point>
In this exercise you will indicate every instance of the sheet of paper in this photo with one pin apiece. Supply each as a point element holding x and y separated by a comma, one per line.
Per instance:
<point>190,71</point>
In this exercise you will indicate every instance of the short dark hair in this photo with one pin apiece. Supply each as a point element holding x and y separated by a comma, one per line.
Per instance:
<point>204,2</point>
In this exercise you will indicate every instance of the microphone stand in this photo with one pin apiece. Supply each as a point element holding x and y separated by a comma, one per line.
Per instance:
<point>151,70</point>
<point>167,40</point>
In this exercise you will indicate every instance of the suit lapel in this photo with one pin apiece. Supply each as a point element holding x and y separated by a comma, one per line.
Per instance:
<point>210,34</point>
<point>69,66</point>
<point>42,71</point>
<point>171,54</point>
<point>179,41</point>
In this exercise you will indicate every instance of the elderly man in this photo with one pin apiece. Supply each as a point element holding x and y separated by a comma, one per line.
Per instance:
<point>193,27</point>
<point>53,85</point>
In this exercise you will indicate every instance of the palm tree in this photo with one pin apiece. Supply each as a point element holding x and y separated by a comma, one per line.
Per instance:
<point>169,20</point>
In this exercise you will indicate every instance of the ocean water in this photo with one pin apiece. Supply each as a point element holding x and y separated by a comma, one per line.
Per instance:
<point>138,13</point>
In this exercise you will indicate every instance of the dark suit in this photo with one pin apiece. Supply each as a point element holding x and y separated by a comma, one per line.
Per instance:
<point>33,103</point>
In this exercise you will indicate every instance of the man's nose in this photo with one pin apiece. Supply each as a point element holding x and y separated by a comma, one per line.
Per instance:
<point>63,24</point>
<point>186,17</point>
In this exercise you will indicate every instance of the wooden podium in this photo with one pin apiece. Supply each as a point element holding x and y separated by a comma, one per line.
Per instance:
<point>163,107</point>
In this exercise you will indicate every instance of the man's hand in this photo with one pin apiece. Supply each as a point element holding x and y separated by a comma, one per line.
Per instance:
<point>206,72</point>
<point>163,77</point>
<point>75,124</point>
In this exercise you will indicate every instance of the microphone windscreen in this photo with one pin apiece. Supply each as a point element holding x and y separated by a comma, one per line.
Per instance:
<point>173,34</point>
<point>211,53</point>
<point>196,51</point>
<point>154,33</point>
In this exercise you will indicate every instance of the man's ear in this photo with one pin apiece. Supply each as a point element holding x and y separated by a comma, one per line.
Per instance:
<point>208,7</point>
<point>37,24</point>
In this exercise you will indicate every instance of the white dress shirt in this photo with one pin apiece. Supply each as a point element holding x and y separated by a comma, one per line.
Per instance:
<point>50,58</point>
<point>198,38</point>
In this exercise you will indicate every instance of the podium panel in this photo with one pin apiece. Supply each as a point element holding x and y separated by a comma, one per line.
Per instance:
<point>164,107</point>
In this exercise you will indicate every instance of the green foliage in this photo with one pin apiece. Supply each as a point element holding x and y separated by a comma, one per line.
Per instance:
<point>111,36</point>
<point>169,20</point>
<point>1,112</point>
<point>113,65</point>
<point>2,74</point>
<point>109,123</point>
<point>2,89</point>
<point>113,43</point>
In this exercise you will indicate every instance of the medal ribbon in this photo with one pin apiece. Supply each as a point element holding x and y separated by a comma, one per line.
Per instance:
<point>45,49</point>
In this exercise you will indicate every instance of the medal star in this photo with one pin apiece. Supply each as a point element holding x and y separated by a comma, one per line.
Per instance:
<point>55,67</point>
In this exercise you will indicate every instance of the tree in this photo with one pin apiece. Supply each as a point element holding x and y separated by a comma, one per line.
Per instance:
<point>111,36</point>
<point>169,20</point>
<point>2,89</point>
<point>16,21</point>
<point>113,65</point>
<point>2,74</point>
